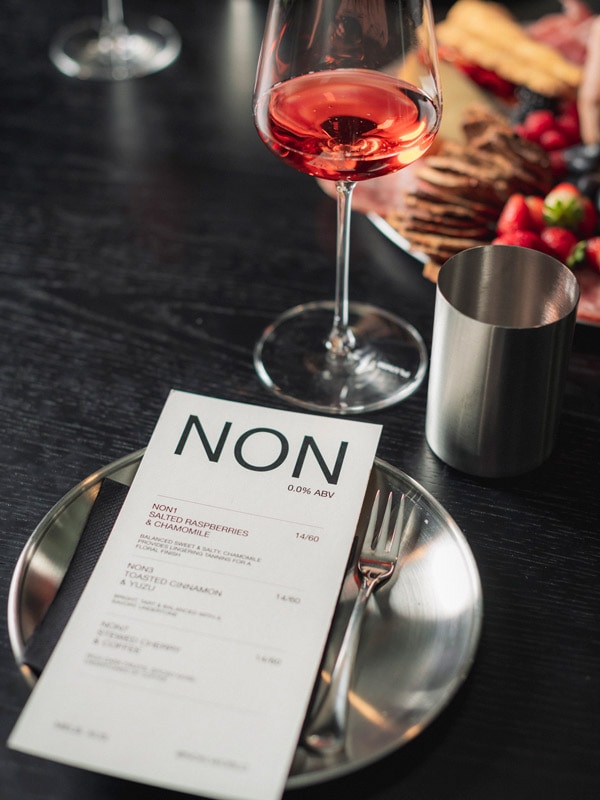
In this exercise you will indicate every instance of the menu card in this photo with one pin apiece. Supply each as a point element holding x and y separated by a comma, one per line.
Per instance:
<point>190,658</point>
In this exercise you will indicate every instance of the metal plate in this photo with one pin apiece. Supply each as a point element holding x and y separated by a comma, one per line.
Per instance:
<point>420,634</point>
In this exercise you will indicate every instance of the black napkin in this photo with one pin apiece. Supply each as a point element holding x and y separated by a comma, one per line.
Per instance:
<point>99,524</point>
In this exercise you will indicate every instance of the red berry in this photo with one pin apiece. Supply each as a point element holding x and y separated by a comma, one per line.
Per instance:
<point>489,80</point>
<point>514,216</point>
<point>535,206</point>
<point>554,140</point>
<point>565,188</point>
<point>587,226</point>
<point>568,125</point>
<point>558,165</point>
<point>564,207</point>
<point>536,123</point>
<point>522,238</point>
<point>569,108</point>
<point>577,256</point>
<point>592,253</point>
<point>559,241</point>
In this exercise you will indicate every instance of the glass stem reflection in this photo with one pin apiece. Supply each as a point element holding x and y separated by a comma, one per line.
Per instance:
<point>341,340</point>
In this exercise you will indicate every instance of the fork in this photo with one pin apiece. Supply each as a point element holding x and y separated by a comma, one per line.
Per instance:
<point>326,730</point>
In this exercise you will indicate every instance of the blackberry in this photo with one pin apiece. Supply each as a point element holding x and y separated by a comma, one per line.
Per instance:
<point>588,184</point>
<point>528,101</point>
<point>582,158</point>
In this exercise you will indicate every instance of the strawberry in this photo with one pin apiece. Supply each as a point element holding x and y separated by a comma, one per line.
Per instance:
<point>515,216</point>
<point>522,238</point>
<point>535,206</point>
<point>564,207</point>
<point>592,253</point>
<point>587,226</point>
<point>559,241</point>
<point>577,257</point>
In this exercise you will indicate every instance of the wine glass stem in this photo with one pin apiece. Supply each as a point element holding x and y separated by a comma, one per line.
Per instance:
<point>113,21</point>
<point>341,339</point>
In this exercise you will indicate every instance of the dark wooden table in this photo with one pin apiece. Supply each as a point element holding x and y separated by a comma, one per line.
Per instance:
<point>146,238</point>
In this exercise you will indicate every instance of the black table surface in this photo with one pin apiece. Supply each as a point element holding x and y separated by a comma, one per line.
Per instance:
<point>146,239</point>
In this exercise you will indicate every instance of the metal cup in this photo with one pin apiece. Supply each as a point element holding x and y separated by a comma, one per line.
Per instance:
<point>502,335</point>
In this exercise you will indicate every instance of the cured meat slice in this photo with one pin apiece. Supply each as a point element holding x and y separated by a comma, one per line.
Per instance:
<point>567,31</point>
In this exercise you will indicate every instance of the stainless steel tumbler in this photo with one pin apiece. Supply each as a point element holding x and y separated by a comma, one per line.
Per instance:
<point>503,328</point>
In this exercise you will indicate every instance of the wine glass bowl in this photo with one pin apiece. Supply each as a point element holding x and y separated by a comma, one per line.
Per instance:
<point>379,124</point>
<point>346,90</point>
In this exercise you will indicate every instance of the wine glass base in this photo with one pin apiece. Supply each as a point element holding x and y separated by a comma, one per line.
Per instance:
<point>387,365</point>
<point>82,51</point>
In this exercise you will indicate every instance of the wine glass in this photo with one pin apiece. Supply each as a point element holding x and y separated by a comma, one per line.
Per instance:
<point>345,90</point>
<point>106,48</point>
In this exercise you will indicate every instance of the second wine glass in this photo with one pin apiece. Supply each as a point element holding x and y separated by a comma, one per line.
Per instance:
<point>346,90</point>
<point>105,48</point>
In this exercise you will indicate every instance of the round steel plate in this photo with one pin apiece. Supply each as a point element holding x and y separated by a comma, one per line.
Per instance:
<point>418,641</point>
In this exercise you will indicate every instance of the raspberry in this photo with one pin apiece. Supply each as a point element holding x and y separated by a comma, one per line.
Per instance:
<point>558,164</point>
<point>537,123</point>
<point>553,139</point>
<point>568,125</point>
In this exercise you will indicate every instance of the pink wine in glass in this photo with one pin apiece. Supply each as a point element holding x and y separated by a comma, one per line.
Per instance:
<point>347,124</point>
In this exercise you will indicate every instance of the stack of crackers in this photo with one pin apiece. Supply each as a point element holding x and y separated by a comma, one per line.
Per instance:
<point>459,192</point>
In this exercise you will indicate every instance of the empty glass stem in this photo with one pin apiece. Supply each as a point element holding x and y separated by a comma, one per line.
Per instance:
<point>113,12</point>
<point>113,21</point>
